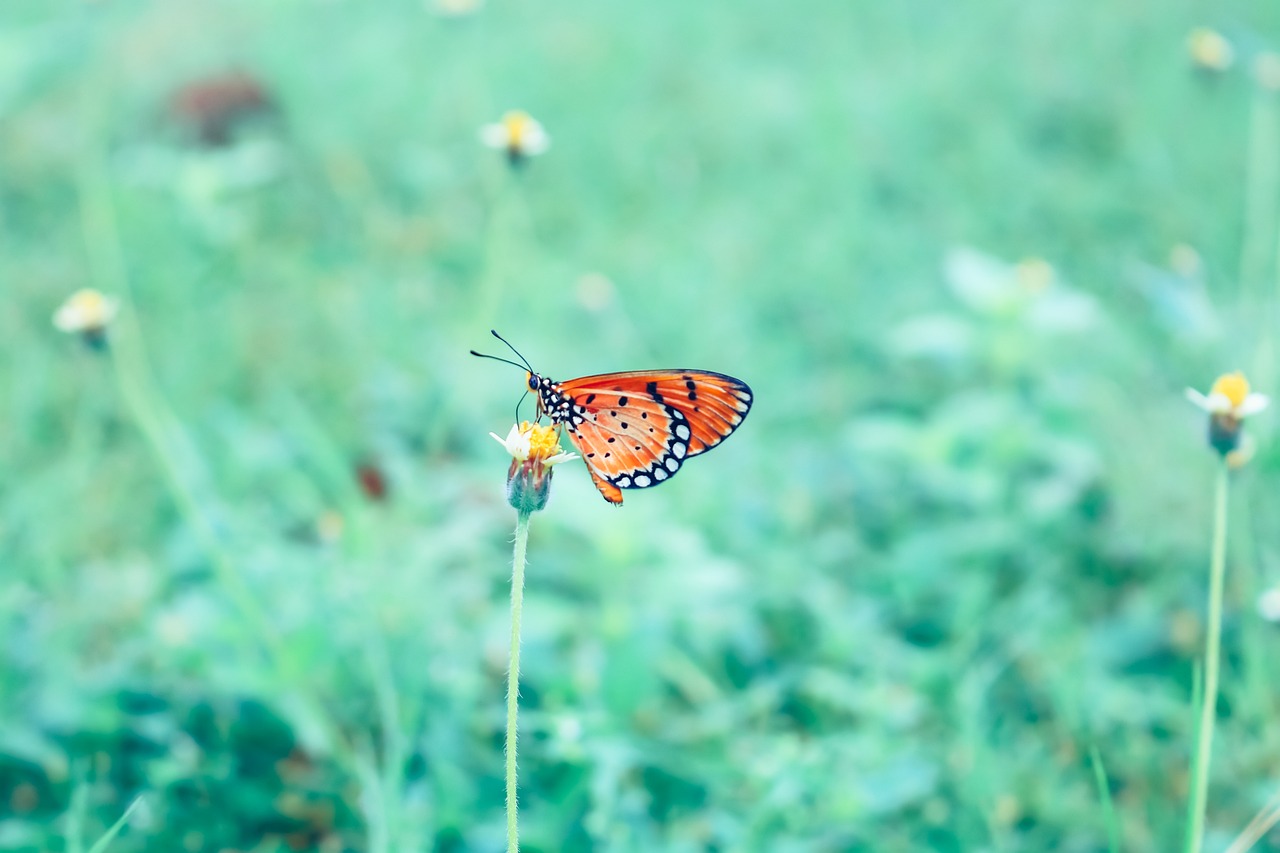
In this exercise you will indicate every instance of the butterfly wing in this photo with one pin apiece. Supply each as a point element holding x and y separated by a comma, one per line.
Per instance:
<point>636,429</point>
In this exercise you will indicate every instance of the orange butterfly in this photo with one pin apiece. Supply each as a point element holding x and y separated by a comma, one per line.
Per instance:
<point>636,428</point>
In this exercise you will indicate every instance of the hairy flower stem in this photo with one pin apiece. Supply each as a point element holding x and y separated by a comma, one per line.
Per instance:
<point>1212,653</point>
<point>513,678</point>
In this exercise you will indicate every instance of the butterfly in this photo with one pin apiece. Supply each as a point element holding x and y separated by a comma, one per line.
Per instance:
<point>635,429</point>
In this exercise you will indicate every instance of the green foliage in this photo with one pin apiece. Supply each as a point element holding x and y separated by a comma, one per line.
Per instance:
<point>951,567</point>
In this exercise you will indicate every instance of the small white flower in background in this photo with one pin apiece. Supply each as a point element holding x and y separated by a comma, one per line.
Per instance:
<point>519,134</point>
<point>1030,290</point>
<point>1210,50</point>
<point>87,313</point>
<point>1228,403</point>
<point>1230,395</point>
<point>1269,604</point>
<point>85,310</point>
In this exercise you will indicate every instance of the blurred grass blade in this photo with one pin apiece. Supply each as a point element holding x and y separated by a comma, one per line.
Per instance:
<point>1104,795</point>
<point>1266,818</point>
<point>75,815</point>
<point>110,835</point>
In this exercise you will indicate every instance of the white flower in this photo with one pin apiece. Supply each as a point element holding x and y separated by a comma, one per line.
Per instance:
<point>85,311</point>
<point>516,442</point>
<point>518,133</point>
<point>1228,403</point>
<point>1230,395</point>
<point>540,442</point>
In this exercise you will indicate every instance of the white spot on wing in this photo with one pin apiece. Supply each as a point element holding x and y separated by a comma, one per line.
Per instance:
<point>642,480</point>
<point>659,474</point>
<point>682,431</point>
<point>679,449</point>
<point>623,482</point>
<point>672,464</point>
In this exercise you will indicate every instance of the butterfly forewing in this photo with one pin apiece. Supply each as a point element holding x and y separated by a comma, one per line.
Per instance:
<point>635,429</point>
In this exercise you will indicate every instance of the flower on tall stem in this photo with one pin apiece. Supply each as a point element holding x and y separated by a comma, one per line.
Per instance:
<point>1228,403</point>
<point>535,451</point>
<point>87,313</point>
<point>517,133</point>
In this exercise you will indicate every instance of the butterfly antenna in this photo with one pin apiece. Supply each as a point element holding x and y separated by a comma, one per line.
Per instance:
<point>513,349</point>
<point>523,364</point>
<point>499,358</point>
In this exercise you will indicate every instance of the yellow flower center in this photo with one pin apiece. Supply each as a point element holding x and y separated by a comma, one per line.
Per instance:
<point>85,310</point>
<point>544,441</point>
<point>517,123</point>
<point>1233,386</point>
<point>90,304</point>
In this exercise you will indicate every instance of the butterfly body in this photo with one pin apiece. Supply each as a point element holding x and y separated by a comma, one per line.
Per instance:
<point>635,429</point>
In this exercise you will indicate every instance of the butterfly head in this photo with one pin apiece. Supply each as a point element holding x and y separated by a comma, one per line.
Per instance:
<point>534,383</point>
<point>550,400</point>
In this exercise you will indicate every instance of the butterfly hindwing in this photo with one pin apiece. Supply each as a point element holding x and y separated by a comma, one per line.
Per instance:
<point>635,429</point>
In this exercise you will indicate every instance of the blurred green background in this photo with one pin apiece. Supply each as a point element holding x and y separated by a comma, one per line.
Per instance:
<point>968,255</point>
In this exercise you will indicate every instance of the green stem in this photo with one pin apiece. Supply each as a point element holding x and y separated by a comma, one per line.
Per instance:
<point>1108,805</point>
<point>513,678</point>
<point>158,425</point>
<point>1212,652</point>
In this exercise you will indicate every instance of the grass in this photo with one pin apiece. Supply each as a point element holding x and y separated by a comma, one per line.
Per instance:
<point>957,547</point>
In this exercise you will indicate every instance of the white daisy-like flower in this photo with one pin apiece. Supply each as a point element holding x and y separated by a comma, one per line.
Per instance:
<point>85,311</point>
<point>518,133</point>
<point>1230,395</point>
<point>541,443</point>
<point>1228,403</point>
